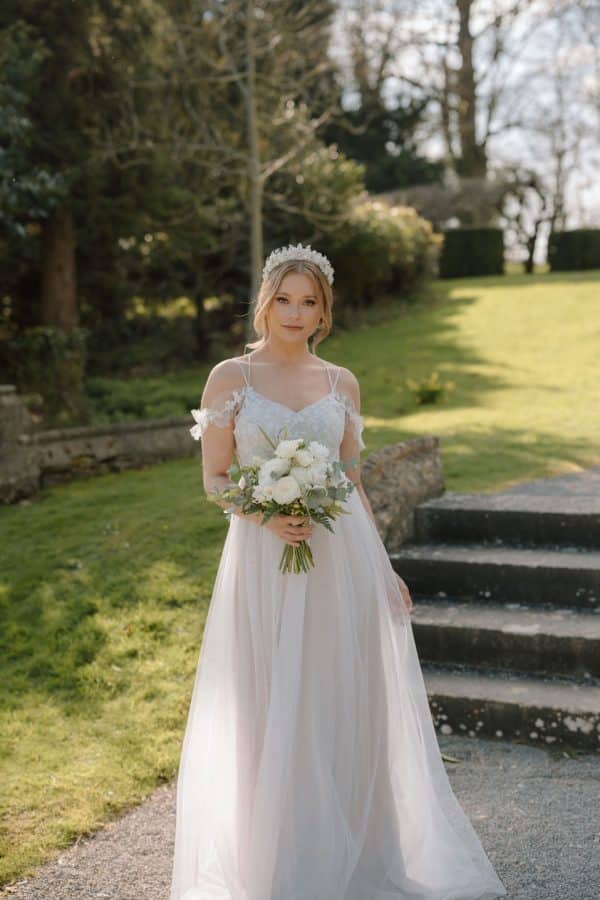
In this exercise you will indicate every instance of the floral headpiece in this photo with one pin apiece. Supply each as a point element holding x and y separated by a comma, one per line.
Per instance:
<point>299,252</point>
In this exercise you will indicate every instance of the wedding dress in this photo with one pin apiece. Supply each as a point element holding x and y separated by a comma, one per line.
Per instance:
<point>310,767</point>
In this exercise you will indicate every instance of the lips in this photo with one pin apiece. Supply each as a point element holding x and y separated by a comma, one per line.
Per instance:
<point>296,327</point>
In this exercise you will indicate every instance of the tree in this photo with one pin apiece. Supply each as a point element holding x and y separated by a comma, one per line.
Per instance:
<point>65,67</point>
<point>380,121</point>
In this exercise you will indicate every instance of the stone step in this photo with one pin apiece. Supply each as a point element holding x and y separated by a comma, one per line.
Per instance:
<point>509,636</point>
<point>526,709</point>
<point>534,576</point>
<point>517,519</point>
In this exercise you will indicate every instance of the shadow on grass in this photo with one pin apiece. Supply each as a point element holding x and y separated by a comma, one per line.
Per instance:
<point>500,457</point>
<point>94,577</point>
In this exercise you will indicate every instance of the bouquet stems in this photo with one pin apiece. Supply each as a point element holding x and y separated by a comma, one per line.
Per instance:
<point>296,558</point>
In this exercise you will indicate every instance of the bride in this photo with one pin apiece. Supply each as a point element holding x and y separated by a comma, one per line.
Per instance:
<point>310,768</point>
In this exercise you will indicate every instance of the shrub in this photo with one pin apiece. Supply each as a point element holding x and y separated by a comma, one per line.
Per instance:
<point>572,250</point>
<point>50,362</point>
<point>472,251</point>
<point>383,250</point>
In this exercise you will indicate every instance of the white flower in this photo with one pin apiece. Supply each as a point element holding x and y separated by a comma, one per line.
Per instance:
<point>242,482</point>
<point>286,489</point>
<point>262,492</point>
<point>303,457</point>
<point>320,451</point>
<point>301,474</point>
<point>318,474</point>
<point>287,449</point>
<point>273,468</point>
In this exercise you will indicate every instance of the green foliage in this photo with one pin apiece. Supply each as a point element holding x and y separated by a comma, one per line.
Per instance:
<point>50,363</point>
<point>382,138</point>
<point>141,345</point>
<point>429,389</point>
<point>130,399</point>
<point>472,251</point>
<point>28,189</point>
<point>382,250</point>
<point>576,249</point>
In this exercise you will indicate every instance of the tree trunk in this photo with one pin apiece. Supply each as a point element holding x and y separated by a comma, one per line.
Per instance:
<point>254,176</point>
<point>473,158</point>
<point>58,276</point>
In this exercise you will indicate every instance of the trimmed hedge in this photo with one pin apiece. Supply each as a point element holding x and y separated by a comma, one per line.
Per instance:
<point>576,249</point>
<point>472,251</point>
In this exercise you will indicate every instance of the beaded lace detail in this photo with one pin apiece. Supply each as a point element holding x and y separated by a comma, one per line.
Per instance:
<point>249,411</point>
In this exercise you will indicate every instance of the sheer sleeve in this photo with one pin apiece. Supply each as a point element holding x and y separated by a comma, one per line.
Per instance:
<point>220,412</point>
<point>354,420</point>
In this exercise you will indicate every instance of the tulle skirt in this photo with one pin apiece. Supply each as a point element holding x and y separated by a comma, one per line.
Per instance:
<point>310,767</point>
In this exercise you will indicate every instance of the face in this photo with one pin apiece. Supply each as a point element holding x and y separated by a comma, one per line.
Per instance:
<point>296,308</point>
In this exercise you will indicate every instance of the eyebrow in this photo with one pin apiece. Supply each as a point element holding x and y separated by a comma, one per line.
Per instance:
<point>305,297</point>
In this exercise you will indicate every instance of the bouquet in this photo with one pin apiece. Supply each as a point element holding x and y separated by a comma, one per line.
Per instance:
<point>299,479</point>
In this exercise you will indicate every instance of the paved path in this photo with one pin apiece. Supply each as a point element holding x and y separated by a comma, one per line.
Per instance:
<point>535,811</point>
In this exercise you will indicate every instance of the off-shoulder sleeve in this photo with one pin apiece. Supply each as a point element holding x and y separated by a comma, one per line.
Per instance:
<point>354,420</point>
<point>221,412</point>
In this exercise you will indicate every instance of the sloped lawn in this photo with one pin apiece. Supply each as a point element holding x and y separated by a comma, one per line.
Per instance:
<point>105,584</point>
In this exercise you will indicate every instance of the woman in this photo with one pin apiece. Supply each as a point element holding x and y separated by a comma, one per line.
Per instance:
<point>310,767</point>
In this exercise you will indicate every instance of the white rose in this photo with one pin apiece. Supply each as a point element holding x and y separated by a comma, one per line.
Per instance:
<point>304,458</point>
<point>272,469</point>
<point>318,450</point>
<point>286,489</point>
<point>301,474</point>
<point>287,449</point>
<point>318,474</point>
<point>262,492</point>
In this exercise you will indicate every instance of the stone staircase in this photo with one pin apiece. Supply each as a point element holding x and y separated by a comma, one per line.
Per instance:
<point>506,589</point>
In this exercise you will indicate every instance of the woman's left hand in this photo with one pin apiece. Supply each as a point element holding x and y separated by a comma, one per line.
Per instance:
<point>405,593</point>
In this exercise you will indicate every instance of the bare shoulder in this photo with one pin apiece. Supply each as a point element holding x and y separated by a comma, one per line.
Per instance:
<point>348,384</point>
<point>225,376</point>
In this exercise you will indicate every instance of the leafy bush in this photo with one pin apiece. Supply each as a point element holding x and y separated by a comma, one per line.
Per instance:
<point>128,400</point>
<point>50,362</point>
<point>141,345</point>
<point>383,250</point>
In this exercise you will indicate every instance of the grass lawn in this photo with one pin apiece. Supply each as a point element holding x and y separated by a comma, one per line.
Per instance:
<point>105,584</point>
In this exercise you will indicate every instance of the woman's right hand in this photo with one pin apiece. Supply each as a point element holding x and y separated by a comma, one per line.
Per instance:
<point>291,529</point>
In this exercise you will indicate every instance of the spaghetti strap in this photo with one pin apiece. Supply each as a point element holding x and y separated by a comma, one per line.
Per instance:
<point>335,380</point>
<point>243,368</point>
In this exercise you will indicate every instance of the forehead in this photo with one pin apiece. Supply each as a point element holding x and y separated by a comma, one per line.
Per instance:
<point>298,284</point>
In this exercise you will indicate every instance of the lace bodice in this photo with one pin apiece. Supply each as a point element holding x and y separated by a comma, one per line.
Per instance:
<point>324,420</point>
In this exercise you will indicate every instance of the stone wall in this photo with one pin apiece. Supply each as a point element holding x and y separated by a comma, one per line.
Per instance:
<point>65,453</point>
<point>31,459</point>
<point>396,478</point>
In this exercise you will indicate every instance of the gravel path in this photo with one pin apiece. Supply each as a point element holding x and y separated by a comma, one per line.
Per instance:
<point>537,817</point>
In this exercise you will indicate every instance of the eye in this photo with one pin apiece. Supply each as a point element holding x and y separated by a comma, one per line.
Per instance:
<point>281,298</point>
<point>312,302</point>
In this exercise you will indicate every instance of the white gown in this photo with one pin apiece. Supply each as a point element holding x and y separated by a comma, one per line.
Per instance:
<point>310,767</point>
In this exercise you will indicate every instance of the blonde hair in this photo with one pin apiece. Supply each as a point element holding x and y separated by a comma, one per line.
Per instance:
<point>268,290</point>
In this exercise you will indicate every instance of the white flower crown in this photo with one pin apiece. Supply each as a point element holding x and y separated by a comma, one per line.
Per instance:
<point>282,254</point>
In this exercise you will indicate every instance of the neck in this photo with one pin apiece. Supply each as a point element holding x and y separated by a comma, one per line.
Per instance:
<point>285,354</point>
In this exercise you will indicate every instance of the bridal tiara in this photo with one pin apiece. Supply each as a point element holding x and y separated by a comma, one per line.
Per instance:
<point>283,254</point>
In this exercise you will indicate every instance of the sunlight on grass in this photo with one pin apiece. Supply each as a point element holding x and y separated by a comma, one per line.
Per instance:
<point>106,583</point>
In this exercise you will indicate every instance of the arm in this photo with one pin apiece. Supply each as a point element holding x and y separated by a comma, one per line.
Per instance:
<point>217,435</point>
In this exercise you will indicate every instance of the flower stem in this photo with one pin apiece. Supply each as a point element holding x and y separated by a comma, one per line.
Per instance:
<point>296,558</point>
